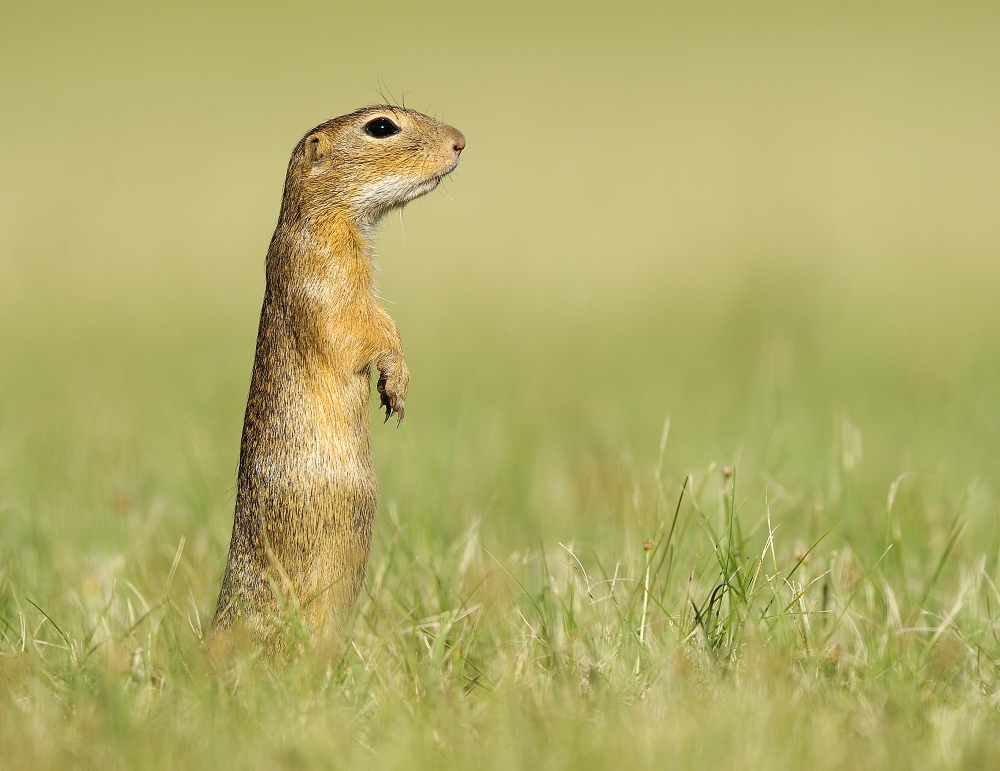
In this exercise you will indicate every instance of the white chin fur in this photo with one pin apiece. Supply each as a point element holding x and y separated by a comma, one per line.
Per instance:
<point>393,190</point>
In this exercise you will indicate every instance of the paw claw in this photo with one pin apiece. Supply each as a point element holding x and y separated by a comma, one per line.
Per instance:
<point>391,397</point>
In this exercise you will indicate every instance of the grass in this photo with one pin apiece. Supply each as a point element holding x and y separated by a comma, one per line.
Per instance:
<point>586,598</point>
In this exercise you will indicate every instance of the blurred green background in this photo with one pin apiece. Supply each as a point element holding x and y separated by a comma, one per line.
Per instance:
<point>776,223</point>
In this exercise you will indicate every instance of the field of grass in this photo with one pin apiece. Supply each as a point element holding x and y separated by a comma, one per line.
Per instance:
<point>700,460</point>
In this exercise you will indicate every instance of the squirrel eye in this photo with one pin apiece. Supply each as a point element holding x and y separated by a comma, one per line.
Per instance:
<point>380,128</point>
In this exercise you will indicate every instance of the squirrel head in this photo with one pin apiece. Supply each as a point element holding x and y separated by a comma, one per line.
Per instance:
<point>367,163</point>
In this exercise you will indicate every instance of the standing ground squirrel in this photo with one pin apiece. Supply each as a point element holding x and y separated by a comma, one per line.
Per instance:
<point>307,491</point>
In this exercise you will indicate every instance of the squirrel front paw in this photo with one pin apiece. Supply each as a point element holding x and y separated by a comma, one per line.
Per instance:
<point>391,386</point>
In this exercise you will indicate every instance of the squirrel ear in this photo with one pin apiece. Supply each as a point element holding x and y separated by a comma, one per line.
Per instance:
<point>317,148</point>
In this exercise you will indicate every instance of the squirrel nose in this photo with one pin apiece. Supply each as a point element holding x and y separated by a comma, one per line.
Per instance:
<point>458,144</point>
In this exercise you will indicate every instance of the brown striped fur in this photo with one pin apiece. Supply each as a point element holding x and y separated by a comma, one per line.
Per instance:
<point>307,491</point>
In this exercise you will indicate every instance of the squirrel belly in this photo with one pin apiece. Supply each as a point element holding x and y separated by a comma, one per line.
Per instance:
<point>306,492</point>
<point>306,489</point>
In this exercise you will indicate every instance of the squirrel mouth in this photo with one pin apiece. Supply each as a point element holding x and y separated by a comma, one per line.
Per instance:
<point>425,187</point>
<point>397,190</point>
<point>430,183</point>
<point>434,181</point>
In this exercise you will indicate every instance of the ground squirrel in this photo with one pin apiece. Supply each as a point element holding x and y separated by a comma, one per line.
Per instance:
<point>307,491</point>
